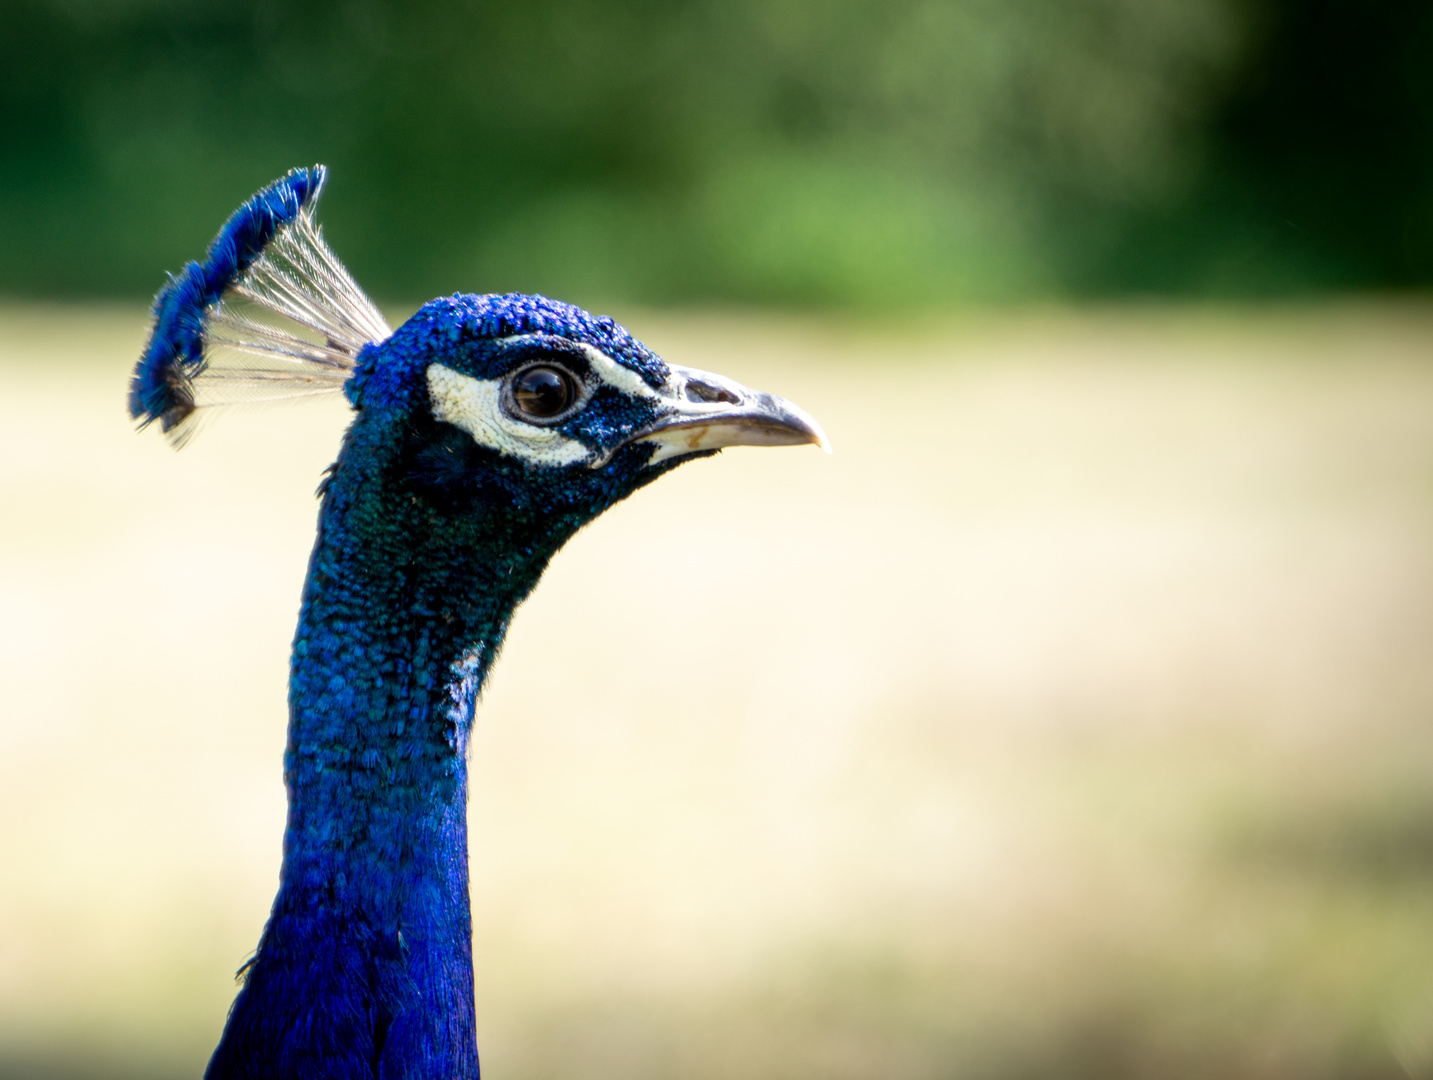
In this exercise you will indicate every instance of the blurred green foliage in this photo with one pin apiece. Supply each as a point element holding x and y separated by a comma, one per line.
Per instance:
<point>862,152</point>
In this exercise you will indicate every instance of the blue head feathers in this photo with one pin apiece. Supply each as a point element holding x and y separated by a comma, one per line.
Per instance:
<point>486,430</point>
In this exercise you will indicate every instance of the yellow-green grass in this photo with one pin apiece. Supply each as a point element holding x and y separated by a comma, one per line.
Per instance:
<point>1074,720</point>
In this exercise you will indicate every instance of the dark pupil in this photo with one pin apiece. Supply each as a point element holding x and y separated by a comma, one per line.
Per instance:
<point>542,391</point>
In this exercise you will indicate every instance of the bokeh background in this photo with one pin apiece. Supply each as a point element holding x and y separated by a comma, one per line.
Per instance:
<point>1074,720</point>
<point>860,152</point>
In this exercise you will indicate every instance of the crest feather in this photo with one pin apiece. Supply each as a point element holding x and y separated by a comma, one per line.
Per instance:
<point>271,314</point>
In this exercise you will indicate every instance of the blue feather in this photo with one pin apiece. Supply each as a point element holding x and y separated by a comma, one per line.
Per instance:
<point>174,354</point>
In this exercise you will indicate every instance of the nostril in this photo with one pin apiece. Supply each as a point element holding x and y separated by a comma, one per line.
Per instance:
<point>710,393</point>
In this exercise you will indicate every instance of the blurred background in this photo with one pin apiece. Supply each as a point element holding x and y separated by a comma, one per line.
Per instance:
<point>1091,731</point>
<point>863,152</point>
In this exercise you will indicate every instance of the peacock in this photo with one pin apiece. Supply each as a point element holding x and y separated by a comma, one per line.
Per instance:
<point>486,430</point>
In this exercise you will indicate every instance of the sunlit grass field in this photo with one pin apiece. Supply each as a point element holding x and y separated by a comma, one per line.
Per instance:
<point>1074,720</point>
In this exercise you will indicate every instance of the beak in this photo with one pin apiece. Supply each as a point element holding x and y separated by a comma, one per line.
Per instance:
<point>703,411</point>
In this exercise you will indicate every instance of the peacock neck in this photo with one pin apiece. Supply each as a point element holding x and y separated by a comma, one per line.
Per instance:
<point>366,958</point>
<point>385,673</point>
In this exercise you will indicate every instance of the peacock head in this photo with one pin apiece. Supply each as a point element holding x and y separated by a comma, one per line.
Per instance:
<point>531,404</point>
<point>510,404</point>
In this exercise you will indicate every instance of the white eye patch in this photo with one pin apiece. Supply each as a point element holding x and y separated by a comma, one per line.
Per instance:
<point>475,406</point>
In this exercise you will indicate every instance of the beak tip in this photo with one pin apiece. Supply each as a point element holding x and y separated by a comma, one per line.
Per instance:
<point>815,434</point>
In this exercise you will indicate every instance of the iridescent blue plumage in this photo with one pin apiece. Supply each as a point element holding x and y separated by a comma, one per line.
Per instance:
<point>176,343</point>
<point>486,431</point>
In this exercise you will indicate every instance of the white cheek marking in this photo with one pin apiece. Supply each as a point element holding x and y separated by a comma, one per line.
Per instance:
<point>475,406</point>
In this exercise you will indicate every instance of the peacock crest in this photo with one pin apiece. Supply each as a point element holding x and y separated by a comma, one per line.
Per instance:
<point>271,314</point>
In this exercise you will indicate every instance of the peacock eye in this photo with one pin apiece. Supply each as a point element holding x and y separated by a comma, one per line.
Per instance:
<point>543,392</point>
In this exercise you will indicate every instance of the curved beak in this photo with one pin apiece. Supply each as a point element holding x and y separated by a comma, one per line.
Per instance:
<point>703,411</point>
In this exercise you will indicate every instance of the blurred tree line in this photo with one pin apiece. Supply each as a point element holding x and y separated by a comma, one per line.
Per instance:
<point>794,151</point>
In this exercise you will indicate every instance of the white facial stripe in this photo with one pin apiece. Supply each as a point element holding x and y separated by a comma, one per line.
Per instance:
<point>603,366</point>
<point>616,376</point>
<point>475,405</point>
